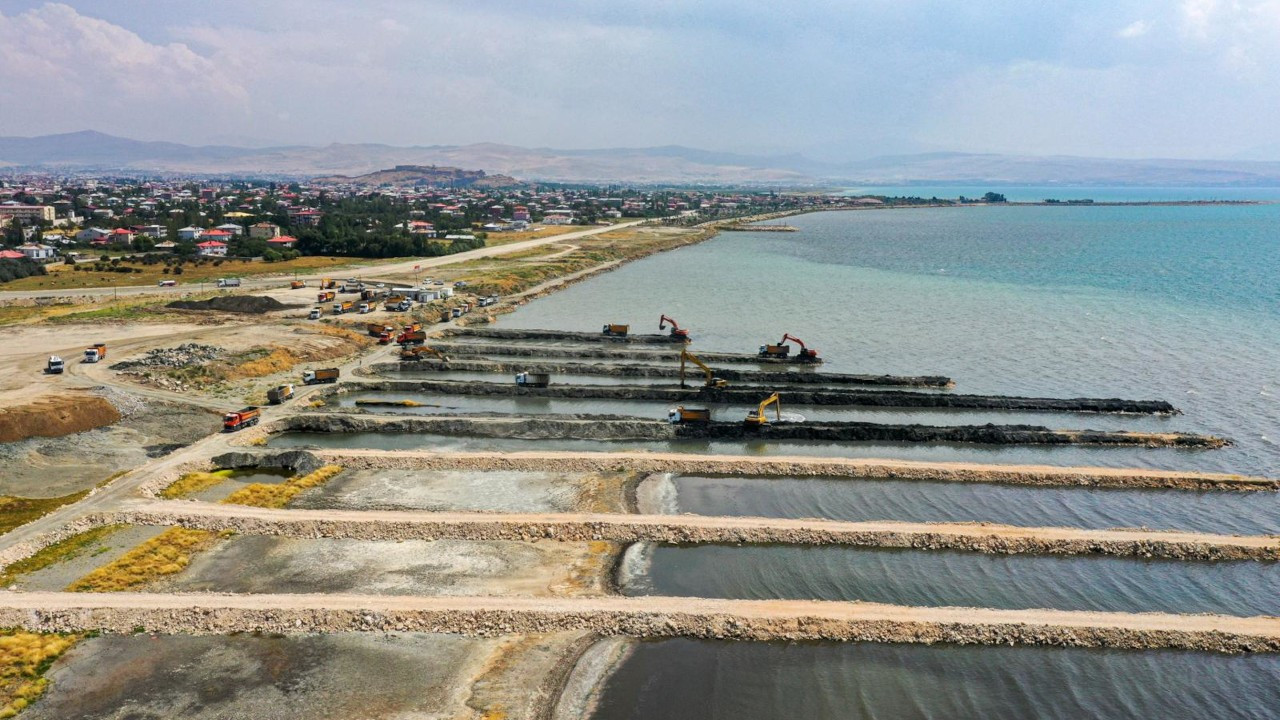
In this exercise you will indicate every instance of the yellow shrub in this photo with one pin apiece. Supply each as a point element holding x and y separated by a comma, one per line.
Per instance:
<point>278,495</point>
<point>165,554</point>
<point>24,657</point>
<point>193,483</point>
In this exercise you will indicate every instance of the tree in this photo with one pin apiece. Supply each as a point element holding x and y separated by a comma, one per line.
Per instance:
<point>994,197</point>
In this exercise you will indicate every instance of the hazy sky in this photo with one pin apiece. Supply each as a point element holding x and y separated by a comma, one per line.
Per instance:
<point>835,80</point>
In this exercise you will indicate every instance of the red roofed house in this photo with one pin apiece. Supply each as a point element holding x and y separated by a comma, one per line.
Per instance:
<point>215,234</point>
<point>212,248</point>
<point>282,242</point>
<point>11,255</point>
<point>122,236</point>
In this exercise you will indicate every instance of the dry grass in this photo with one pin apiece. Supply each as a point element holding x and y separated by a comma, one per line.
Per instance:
<point>56,416</point>
<point>17,511</point>
<point>193,483</point>
<point>165,554</point>
<point>62,550</point>
<point>62,277</point>
<point>277,495</point>
<point>24,658</point>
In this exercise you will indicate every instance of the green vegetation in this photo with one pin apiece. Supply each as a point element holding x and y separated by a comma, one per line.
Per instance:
<point>65,549</point>
<point>18,269</point>
<point>193,483</point>
<point>16,511</point>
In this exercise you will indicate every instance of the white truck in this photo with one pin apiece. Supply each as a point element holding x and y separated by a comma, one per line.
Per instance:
<point>55,366</point>
<point>228,282</point>
<point>314,314</point>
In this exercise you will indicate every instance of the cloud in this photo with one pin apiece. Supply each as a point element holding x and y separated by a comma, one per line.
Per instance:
<point>75,72</point>
<point>1137,28</point>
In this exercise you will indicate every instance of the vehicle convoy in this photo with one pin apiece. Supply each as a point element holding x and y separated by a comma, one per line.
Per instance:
<point>95,353</point>
<point>228,282</point>
<point>279,394</point>
<point>315,377</point>
<point>54,366</point>
<point>410,354</point>
<point>676,330</point>
<point>345,306</point>
<point>758,418</point>
<point>537,380</point>
<point>711,382</point>
<point>782,350</point>
<point>297,285</point>
<point>683,415</point>
<point>241,419</point>
<point>326,296</point>
<point>614,330</point>
<point>412,337</point>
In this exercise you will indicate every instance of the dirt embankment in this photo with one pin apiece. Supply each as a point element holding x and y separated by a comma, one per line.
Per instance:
<point>56,416</point>
<point>790,397</point>
<point>611,427</point>
<point>658,371</point>
<point>791,467</point>
<point>249,304</point>
<point>517,334</point>
<point>655,617</point>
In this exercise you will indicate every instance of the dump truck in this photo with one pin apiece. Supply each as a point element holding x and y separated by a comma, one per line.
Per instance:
<point>278,394</point>
<point>241,419</point>
<point>377,329</point>
<point>228,282</point>
<point>364,309</point>
<point>783,351</point>
<point>315,377</point>
<point>54,366</point>
<point>95,353</point>
<point>410,354</point>
<point>385,338</point>
<point>615,330</point>
<point>537,380</point>
<point>314,314</point>
<point>326,283</point>
<point>325,297</point>
<point>412,327</point>
<point>297,285</point>
<point>345,306</point>
<point>685,415</point>
<point>414,337</point>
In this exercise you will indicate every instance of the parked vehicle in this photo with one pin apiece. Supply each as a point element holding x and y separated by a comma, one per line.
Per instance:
<point>377,329</point>
<point>277,395</point>
<point>241,419</point>
<point>315,377</point>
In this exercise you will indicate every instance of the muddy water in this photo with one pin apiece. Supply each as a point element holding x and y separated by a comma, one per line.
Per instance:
<point>924,501</point>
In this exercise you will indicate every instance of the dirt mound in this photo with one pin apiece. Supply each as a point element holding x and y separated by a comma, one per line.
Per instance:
<point>251,304</point>
<point>55,417</point>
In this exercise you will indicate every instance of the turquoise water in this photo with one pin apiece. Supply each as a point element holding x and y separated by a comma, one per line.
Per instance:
<point>1098,194</point>
<point>1179,303</point>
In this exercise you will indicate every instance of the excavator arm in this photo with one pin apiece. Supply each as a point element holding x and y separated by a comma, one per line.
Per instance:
<point>806,355</point>
<point>676,330</point>
<point>712,381</point>
<point>757,417</point>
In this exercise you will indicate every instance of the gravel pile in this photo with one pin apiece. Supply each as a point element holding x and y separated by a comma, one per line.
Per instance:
<point>174,357</point>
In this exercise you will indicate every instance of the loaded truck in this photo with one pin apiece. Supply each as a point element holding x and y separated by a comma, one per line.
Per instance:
<point>345,306</point>
<point>412,337</point>
<point>228,282</point>
<point>325,296</point>
<point>241,419</point>
<point>315,377</point>
<point>55,366</point>
<point>537,380</point>
<point>377,329</point>
<point>95,353</point>
<point>681,414</point>
<point>297,285</point>
<point>277,395</point>
<point>616,330</point>
<point>314,314</point>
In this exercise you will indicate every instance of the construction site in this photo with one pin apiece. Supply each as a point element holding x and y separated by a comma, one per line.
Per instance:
<point>416,510</point>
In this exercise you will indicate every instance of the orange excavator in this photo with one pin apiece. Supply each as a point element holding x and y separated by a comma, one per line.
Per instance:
<point>676,331</point>
<point>782,350</point>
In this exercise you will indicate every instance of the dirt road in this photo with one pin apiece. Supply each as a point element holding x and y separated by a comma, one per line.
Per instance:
<point>650,616</point>
<point>627,528</point>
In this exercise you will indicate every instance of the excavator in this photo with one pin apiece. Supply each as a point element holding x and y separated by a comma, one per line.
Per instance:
<point>676,331</point>
<point>782,350</point>
<point>757,417</point>
<point>409,354</point>
<point>712,380</point>
<point>615,330</point>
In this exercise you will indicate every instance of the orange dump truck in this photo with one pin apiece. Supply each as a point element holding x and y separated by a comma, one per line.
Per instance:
<point>326,296</point>
<point>241,419</point>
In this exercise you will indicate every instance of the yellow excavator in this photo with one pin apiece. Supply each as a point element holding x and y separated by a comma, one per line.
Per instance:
<point>712,380</point>
<point>416,353</point>
<point>757,418</point>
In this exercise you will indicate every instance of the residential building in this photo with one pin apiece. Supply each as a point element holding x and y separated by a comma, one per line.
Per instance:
<point>264,231</point>
<point>27,213</point>
<point>283,242</point>
<point>232,228</point>
<point>212,248</point>
<point>188,233</point>
<point>90,234</point>
<point>38,252</point>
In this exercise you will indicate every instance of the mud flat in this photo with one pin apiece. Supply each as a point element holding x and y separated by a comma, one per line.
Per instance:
<point>629,370</point>
<point>788,397</point>
<point>559,335</point>
<point>645,617</point>
<point>616,428</point>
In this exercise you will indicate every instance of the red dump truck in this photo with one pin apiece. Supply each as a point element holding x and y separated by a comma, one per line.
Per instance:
<point>326,296</point>
<point>241,419</point>
<point>315,377</point>
<point>412,337</point>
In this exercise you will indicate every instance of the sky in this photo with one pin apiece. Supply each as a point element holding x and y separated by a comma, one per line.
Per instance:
<point>831,79</point>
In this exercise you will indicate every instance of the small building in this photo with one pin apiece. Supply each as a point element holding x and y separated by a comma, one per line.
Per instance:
<point>212,248</point>
<point>284,242</point>
<point>264,231</point>
<point>122,236</point>
<point>189,233</point>
<point>219,235</point>
<point>93,234</point>
<point>151,231</point>
<point>38,252</point>
<point>232,228</point>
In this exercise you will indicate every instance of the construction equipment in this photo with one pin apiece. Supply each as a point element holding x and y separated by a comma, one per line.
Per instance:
<point>683,415</point>
<point>315,377</point>
<point>537,380</point>
<point>314,314</point>
<point>614,330</point>
<point>95,353</point>
<point>228,282</point>
<point>711,382</point>
<point>239,420</point>
<point>377,329</point>
<point>757,417</point>
<point>385,338</point>
<point>676,331</point>
<point>414,337</point>
<point>326,283</point>
<point>297,285</point>
<point>413,327</point>
<point>410,354</point>
<point>277,395</point>
<point>345,306</point>
<point>806,354</point>
<point>324,297</point>
<point>55,366</point>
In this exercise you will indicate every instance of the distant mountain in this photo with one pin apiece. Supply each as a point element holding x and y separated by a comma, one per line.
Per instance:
<point>669,164</point>
<point>413,175</point>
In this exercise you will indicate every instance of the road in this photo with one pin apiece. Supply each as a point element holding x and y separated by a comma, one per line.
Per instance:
<point>647,616</point>
<point>629,528</point>
<point>402,267</point>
